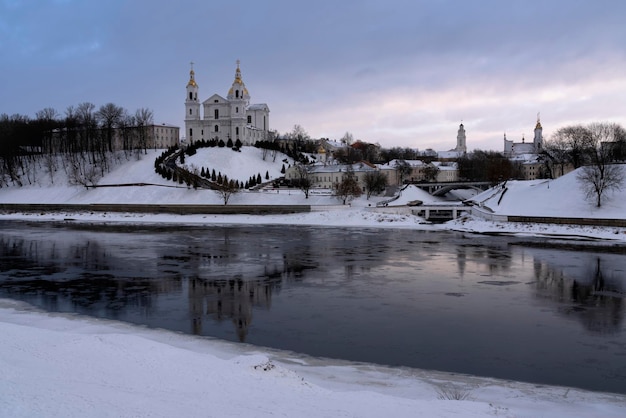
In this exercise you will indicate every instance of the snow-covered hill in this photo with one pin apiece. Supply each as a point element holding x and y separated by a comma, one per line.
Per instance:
<point>562,197</point>
<point>238,165</point>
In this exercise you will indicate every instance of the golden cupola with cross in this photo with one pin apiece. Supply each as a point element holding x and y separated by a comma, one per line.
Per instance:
<point>238,90</point>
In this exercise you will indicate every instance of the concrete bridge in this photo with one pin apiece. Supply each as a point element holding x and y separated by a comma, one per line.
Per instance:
<point>440,189</point>
<point>440,213</point>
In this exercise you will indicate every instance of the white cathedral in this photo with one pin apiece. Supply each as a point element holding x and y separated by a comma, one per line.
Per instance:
<point>512,149</point>
<point>227,118</point>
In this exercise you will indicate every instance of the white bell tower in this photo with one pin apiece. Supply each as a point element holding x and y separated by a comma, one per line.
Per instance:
<point>192,108</point>
<point>239,99</point>
<point>460,140</point>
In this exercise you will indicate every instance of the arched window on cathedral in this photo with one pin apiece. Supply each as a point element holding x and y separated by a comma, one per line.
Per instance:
<point>190,111</point>
<point>237,109</point>
<point>249,119</point>
<point>190,132</point>
<point>217,113</point>
<point>190,96</point>
<point>237,93</point>
<point>237,130</point>
<point>217,128</point>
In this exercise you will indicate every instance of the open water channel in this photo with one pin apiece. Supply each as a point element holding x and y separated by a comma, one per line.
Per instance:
<point>512,308</point>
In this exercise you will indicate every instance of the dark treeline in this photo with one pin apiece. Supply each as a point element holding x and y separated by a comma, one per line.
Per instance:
<point>82,142</point>
<point>488,166</point>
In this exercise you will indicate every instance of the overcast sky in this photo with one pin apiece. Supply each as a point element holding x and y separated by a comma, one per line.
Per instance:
<point>400,73</point>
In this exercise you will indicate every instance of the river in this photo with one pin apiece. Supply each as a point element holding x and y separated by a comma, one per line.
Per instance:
<point>523,309</point>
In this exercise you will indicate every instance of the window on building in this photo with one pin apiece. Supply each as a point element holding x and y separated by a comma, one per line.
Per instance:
<point>190,111</point>
<point>237,93</point>
<point>217,128</point>
<point>190,96</point>
<point>249,119</point>
<point>217,113</point>
<point>216,101</point>
<point>237,109</point>
<point>237,130</point>
<point>190,132</point>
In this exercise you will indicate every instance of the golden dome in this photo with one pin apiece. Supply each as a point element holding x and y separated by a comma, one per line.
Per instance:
<point>192,81</point>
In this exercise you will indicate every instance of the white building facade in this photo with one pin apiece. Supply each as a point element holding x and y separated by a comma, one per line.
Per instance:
<point>219,118</point>
<point>512,148</point>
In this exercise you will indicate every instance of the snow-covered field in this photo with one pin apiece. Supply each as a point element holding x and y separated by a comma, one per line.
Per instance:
<point>69,366</point>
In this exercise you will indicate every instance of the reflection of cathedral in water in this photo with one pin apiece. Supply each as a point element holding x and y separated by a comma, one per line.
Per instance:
<point>228,299</point>
<point>589,289</point>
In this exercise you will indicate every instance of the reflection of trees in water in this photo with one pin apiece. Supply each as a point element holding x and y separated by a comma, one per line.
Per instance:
<point>74,277</point>
<point>587,296</point>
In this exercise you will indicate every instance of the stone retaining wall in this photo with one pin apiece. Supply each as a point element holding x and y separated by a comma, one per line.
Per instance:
<point>149,208</point>
<point>569,221</point>
<point>482,213</point>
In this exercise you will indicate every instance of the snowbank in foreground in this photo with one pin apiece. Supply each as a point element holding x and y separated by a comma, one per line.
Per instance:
<point>69,366</point>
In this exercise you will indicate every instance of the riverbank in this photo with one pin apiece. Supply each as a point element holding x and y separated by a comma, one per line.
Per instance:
<point>71,366</point>
<point>142,186</point>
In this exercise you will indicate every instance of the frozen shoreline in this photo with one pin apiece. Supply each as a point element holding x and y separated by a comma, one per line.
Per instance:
<point>61,365</point>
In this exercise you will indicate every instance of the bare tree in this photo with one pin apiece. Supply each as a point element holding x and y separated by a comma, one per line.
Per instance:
<point>227,189</point>
<point>375,182</point>
<point>348,188</point>
<point>143,118</point>
<point>597,181</point>
<point>601,174</point>
<point>303,180</point>
<point>577,139</point>
<point>430,172</point>
<point>403,169</point>
<point>556,156</point>
<point>110,117</point>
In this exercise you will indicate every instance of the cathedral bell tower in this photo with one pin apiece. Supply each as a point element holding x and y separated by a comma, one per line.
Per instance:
<point>192,107</point>
<point>239,99</point>
<point>538,139</point>
<point>460,140</point>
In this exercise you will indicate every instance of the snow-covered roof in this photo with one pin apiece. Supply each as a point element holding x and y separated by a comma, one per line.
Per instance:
<point>525,158</point>
<point>165,125</point>
<point>331,143</point>
<point>394,163</point>
<point>445,166</point>
<point>336,168</point>
<point>449,154</point>
<point>258,106</point>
